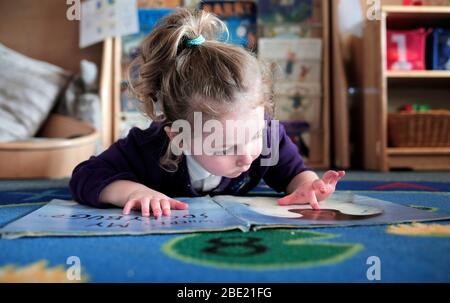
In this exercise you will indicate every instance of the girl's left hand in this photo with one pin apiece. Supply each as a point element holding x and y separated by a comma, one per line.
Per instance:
<point>313,192</point>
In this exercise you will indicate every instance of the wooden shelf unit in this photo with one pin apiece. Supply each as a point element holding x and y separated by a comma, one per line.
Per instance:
<point>418,74</point>
<point>390,86</point>
<point>415,10</point>
<point>322,138</point>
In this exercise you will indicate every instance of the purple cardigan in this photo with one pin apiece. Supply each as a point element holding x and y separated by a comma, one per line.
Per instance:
<point>136,158</point>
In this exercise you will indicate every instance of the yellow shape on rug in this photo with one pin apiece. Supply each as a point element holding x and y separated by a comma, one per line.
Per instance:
<point>35,273</point>
<point>420,229</point>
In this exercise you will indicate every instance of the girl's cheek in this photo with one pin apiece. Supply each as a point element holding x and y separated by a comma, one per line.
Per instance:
<point>220,163</point>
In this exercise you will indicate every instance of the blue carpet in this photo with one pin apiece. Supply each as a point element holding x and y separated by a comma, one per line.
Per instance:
<point>338,254</point>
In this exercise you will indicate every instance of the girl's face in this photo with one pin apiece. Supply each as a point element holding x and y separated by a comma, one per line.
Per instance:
<point>236,153</point>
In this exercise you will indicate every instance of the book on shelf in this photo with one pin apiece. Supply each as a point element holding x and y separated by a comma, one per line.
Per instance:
<point>289,18</point>
<point>159,3</point>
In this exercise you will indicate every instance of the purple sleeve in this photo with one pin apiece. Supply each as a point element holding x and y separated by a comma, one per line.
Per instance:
<point>289,163</point>
<point>121,161</point>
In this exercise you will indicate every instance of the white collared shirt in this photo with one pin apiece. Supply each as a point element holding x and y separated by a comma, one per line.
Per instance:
<point>201,179</point>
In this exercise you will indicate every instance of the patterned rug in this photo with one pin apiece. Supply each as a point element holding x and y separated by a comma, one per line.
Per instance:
<point>416,252</point>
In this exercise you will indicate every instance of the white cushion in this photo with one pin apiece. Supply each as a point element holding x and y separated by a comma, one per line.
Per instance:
<point>28,91</point>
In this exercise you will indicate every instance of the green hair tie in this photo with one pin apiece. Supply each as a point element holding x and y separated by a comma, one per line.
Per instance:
<point>196,41</point>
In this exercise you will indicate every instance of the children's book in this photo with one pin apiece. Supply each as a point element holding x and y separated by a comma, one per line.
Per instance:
<point>290,18</point>
<point>300,59</point>
<point>218,213</point>
<point>296,64</point>
<point>159,3</point>
<point>298,102</point>
<point>284,11</point>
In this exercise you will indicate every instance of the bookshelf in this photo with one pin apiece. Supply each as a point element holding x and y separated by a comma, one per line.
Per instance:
<point>320,146</point>
<point>393,89</point>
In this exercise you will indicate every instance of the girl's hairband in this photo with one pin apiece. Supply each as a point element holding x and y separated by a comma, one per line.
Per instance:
<point>196,41</point>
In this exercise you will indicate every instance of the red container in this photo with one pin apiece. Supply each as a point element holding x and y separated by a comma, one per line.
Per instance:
<point>406,49</point>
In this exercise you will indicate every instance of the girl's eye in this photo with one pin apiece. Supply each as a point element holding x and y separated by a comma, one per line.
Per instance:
<point>219,153</point>
<point>259,134</point>
<point>225,151</point>
<point>232,150</point>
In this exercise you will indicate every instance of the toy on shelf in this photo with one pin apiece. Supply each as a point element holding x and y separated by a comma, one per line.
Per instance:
<point>438,49</point>
<point>406,49</point>
<point>414,108</point>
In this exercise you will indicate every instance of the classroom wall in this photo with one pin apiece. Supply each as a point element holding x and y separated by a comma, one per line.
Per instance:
<point>40,29</point>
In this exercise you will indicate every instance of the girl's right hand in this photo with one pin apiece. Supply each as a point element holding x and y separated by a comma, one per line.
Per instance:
<point>146,199</point>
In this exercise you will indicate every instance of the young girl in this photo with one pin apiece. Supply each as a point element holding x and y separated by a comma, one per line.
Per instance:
<point>182,69</point>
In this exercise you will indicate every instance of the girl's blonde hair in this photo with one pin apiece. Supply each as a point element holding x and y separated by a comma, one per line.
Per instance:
<point>205,78</point>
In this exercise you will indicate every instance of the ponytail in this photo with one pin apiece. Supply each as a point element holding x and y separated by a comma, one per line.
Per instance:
<point>160,49</point>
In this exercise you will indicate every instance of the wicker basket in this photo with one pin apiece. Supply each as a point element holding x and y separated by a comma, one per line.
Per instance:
<point>421,129</point>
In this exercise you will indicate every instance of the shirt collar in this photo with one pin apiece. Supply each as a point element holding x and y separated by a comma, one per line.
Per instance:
<point>196,171</point>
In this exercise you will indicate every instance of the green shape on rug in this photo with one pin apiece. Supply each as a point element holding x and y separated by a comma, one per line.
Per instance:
<point>264,249</point>
<point>425,208</point>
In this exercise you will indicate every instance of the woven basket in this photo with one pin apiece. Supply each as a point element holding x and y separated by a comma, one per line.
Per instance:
<point>422,129</point>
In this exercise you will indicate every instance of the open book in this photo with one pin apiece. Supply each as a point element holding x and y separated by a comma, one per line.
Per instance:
<point>218,213</point>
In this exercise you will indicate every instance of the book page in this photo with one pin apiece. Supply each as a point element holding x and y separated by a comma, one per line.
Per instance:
<point>341,209</point>
<point>68,218</point>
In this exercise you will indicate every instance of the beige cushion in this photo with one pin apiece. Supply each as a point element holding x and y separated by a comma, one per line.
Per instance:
<point>28,91</point>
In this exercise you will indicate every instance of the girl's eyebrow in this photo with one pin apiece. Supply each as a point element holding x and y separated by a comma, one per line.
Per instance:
<point>254,137</point>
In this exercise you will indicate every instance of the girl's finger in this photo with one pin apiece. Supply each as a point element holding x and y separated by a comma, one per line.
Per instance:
<point>338,176</point>
<point>156,207</point>
<point>330,176</point>
<point>313,202</point>
<point>145,207</point>
<point>129,206</point>
<point>341,173</point>
<point>175,204</point>
<point>165,205</point>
